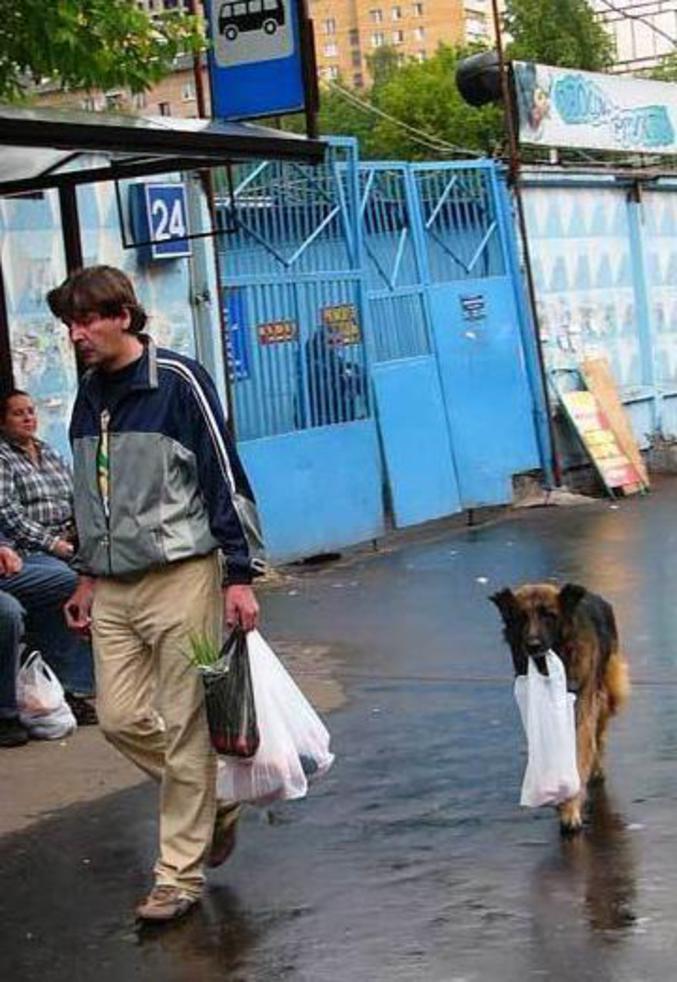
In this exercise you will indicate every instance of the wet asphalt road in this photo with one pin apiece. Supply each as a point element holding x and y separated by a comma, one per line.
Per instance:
<point>412,860</point>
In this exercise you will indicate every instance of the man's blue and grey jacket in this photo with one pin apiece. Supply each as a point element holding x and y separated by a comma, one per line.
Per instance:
<point>176,488</point>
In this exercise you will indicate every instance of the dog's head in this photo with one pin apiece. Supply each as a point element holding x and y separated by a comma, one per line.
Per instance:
<point>536,617</point>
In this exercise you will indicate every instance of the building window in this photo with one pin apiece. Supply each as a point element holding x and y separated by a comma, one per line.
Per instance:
<point>356,59</point>
<point>378,39</point>
<point>476,26</point>
<point>165,108</point>
<point>330,50</point>
<point>354,38</point>
<point>358,80</point>
<point>398,37</point>
<point>420,56</point>
<point>329,26</point>
<point>139,100</point>
<point>418,10</point>
<point>188,91</point>
<point>114,101</point>
<point>396,13</point>
<point>376,16</point>
<point>332,71</point>
<point>419,33</point>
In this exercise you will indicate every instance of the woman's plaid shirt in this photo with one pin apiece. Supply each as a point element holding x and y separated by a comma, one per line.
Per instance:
<point>36,500</point>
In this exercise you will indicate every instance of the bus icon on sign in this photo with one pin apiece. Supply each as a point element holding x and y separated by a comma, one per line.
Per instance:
<point>250,15</point>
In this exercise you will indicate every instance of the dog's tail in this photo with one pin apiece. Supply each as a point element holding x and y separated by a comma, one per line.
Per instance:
<point>617,681</point>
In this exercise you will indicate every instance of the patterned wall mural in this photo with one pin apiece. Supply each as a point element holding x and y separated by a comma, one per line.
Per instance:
<point>580,249</point>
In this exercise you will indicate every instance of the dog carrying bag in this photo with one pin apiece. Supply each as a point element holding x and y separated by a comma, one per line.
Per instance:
<point>229,700</point>
<point>547,712</point>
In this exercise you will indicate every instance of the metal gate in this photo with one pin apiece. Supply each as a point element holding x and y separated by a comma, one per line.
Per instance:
<point>293,299</point>
<point>378,295</point>
<point>455,404</point>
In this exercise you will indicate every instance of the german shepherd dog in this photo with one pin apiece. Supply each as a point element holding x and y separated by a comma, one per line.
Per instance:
<point>581,628</point>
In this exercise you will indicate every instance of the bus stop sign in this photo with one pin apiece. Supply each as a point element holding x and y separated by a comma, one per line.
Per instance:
<point>256,58</point>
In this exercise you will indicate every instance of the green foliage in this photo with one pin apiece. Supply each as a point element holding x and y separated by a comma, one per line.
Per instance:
<point>88,44</point>
<point>558,32</point>
<point>666,71</point>
<point>204,653</point>
<point>423,95</point>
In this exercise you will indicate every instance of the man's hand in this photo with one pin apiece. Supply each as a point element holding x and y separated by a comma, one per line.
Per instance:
<point>241,607</point>
<point>78,608</point>
<point>10,561</point>
<point>63,549</point>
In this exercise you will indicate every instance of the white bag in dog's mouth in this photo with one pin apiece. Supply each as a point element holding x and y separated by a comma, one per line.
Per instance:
<point>548,718</point>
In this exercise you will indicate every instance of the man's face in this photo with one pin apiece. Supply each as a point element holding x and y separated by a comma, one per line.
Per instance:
<point>100,341</point>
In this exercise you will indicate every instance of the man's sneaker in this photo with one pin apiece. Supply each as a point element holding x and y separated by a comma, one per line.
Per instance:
<point>12,733</point>
<point>165,903</point>
<point>223,838</point>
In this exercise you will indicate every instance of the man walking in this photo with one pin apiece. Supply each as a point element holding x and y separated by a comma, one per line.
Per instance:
<point>168,537</point>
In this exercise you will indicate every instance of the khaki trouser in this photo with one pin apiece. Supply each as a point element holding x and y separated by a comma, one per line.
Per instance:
<point>141,633</point>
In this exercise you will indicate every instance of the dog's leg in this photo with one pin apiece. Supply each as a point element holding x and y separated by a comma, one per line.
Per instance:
<point>571,811</point>
<point>597,771</point>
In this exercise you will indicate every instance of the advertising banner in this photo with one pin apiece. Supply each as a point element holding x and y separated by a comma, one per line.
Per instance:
<point>564,107</point>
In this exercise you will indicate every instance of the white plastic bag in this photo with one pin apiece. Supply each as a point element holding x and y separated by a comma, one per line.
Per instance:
<point>294,742</point>
<point>547,712</point>
<point>42,705</point>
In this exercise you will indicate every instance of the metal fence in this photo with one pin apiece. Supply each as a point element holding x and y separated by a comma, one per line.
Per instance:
<point>292,279</point>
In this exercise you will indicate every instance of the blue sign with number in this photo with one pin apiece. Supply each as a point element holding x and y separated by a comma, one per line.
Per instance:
<point>159,220</point>
<point>255,59</point>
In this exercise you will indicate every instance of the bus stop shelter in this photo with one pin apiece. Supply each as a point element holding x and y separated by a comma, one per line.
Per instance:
<point>46,149</point>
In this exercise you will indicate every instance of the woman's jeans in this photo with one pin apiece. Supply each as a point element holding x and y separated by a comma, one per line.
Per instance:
<point>31,605</point>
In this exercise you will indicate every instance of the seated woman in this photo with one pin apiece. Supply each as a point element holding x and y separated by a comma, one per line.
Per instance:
<point>36,518</point>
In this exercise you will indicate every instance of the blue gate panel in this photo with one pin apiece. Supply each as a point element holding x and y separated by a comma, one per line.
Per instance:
<point>317,490</point>
<point>415,439</point>
<point>484,385</point>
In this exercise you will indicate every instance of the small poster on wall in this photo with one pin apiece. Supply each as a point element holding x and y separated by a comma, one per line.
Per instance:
<point>341,321</point>
<point>277,332</point>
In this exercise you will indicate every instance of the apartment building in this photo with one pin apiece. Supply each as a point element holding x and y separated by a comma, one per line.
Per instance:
<point>348,31</point>
<point>644,31</point>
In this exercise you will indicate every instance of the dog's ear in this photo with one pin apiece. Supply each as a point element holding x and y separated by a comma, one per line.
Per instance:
<point>570,596</point>
<point>507,604</point>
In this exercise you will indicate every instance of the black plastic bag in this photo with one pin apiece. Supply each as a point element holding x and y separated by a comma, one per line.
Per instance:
<point>229,698</point>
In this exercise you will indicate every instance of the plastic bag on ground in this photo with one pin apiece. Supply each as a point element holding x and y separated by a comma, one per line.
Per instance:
<point>294,742</point>
<point>42,705</point>
<point>547,712</point>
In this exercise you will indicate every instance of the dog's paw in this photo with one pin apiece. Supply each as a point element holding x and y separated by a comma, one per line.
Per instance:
<point>570,819</point>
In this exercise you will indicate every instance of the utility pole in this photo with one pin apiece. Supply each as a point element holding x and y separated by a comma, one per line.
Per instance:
<point>208,187</point>
<point>514,179</point>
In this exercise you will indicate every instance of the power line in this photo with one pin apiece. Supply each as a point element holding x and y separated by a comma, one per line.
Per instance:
<point>626,15</point>
<point>420,136</point>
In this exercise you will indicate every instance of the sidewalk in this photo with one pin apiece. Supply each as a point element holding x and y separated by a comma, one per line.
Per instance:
<point>411,861</point>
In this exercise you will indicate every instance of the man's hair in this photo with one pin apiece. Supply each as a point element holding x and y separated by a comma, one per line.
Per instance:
<point>102,290</point>
<point>4,401</point>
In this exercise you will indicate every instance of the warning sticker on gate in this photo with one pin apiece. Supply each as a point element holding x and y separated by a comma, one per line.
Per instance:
<point>251,31</point>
